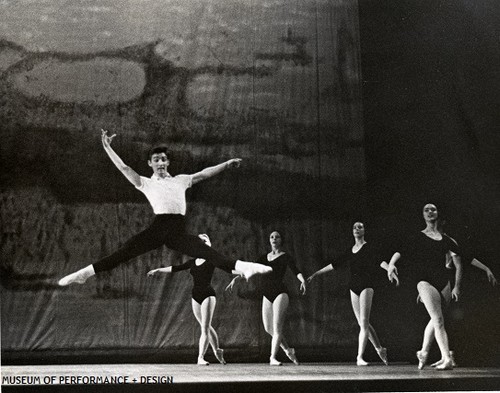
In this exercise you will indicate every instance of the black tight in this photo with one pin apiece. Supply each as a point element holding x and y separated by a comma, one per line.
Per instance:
<point>168,230</point>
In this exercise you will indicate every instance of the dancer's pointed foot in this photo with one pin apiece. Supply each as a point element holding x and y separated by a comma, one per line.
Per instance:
<point>249,269</point>
<point>361,362</point>
<point>446,365</point>
<point>382,354</point>
<point>422,359</point>
<point>290,352</point>
<point>219,354</point>
<point>78,277</point>
<point>202,362</point>
<point>274,362</point>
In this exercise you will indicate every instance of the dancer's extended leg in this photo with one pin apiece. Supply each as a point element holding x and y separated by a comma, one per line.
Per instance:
<point>193,246</point>
<point>141,243</point>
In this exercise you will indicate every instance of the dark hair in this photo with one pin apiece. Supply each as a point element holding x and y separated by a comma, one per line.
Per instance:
<point>439,211</point>
<point>280,233</point>
<point>360,220</point>
<point>158,149</point>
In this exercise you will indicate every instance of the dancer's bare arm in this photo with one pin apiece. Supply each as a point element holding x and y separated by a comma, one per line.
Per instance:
<point>486,269</point>
<point>215,170</point>
<point>326,269</point>
<point>455,293</point>
<point>155,272</point>
<point>391,268</point>
<point>128,172</point>
<point>384,265</point>
<point>230,286</point>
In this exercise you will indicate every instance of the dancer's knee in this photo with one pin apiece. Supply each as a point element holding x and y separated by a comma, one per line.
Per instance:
<point>438,321</point>
<point>364,323</point>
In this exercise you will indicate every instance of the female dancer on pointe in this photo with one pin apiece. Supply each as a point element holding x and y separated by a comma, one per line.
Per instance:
<point>429,331</point>
<point>275,296</point>
<point>427,252</point>
<point>362,258</point>
<point>167,196</point>
<point>203,301</point>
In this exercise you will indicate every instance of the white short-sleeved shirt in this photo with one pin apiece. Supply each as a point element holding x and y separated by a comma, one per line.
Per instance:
<point>168,195</point>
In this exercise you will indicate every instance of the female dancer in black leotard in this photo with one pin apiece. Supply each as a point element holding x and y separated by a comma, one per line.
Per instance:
<point>203,301</point>
<point>465,258</point>
<point>366,275</point>
<point>275,296</point>
<point>427,252</point>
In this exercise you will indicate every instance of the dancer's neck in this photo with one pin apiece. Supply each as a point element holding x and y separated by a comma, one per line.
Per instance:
<point>359,241</point>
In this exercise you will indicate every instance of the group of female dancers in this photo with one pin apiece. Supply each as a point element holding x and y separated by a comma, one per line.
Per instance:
<point>427,252</point>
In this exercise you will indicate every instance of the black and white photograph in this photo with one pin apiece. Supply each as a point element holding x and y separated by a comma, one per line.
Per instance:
<point>250,195</point>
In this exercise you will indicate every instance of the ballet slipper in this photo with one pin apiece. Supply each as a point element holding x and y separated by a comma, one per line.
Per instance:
<point>422,359</point>
<point>446,365</point>
<point>202,362</point>
<point>274,362</point>
<point>361,362</point>
<point>78,277</point>
<point>440,361</point>
<point>249,269</point>
<point>382,354</point>
<point>219,354</point>
<point>290,352</point>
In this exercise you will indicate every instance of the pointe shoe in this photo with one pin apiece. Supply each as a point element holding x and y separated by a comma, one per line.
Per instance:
<point>382,354</point>
<point>78,277</point>
<point>290,352</point>
<point>202,362</point>
<point>440,361</point>
<point>445,365</point>
<point>219,354</point>
<point>274,362</point>
<point>422,359</point>
<point>250,269</point>
<point>361,362</point>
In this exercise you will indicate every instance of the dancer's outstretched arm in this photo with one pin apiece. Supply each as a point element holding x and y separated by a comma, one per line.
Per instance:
<point>155,272</point>
<point>215,170</point>
<point>486,269</point>
<point>128,172</point>
<point>326,269</point>
<point>173,268</point>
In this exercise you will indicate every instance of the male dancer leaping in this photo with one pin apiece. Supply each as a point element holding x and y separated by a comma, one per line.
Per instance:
<point>166,194</point>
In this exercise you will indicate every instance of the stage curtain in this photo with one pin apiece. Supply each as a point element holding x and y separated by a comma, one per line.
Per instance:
<point>276,83</point>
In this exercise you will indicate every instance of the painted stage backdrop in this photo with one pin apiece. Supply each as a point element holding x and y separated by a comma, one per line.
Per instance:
<point>274,82</point>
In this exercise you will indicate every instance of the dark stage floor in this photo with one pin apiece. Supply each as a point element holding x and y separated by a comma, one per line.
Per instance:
<point>248,377</point>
